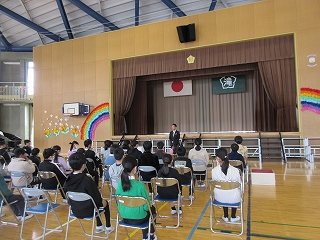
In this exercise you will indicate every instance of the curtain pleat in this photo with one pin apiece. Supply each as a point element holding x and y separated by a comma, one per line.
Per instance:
<point>123,92</point>
<point>278,78</point>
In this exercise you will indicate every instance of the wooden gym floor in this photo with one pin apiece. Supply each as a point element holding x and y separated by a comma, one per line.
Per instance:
<point>288,210</point>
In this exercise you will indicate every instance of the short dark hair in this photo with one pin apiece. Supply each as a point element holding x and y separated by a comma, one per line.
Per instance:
<point>35,151</point>
<point>234,147</point>
<point>133,143</point>
<point>160,145</point>
<point>76,160</point>
<point>2,142</point>
<point>87,142</point>
<point>238,139</point>
<point>18,152</point>
<point>181,151</point>
<point>147,145</point>
<point>48,152</point>
<point>113,147</point>
<point>81,151</point>
<point>118,153</point>
<point>26,141</point>
<point>173,124</point>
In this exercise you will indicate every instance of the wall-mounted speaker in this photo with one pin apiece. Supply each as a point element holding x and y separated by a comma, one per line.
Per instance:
<point>187,33</point>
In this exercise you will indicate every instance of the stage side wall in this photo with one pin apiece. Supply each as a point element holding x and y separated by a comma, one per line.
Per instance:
<point>79,70</point>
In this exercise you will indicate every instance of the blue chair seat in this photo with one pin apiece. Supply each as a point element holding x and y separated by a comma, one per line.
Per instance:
<point>215,202</point>
<point>42,208</point>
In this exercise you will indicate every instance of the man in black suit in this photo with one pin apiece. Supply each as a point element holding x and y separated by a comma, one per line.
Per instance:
<point>174,134</point>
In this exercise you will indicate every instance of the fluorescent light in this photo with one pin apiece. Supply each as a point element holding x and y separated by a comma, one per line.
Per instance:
<point>11,63</point>
<point>11,104</point>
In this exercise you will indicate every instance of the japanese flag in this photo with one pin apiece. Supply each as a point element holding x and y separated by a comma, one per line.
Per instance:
<point>177,88</point>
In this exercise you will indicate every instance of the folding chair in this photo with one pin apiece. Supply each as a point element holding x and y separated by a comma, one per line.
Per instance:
<point>113,187</point>
<point>166,182</point>
<point>96,212</point>
<point>196,163</point>
<point>4,203</point>
<point>40,208</point>
<point>134,202</point>
<point>47,175</point>
<point>182,171</point>
<point>225,186</point>
<point>21,175</point>
<point>235,163</point>
<point>146,169</point>
<point>7,176</point>
<point>106,180</point>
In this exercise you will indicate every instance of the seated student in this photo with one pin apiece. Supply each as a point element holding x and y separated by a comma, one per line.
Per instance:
<point>18,205</point>
<point>243,150</point>
<point>21,163</point>
<point>174,147</point>
<point>234,155</point>
<point>78,181</point>
<point>125,145</point>
<point>115,169</point>
<point>73,147</point>
<point>160,152</point>
<point>148,159</point>
<point>128,186</point>
<point>106,148</point>
<point>182,161</point>
<point>35,159</point>
<point>60,161</point>
<point>49,165</point>
<point>92,155</point>
<point>27,146</point>
<point>110,159</point>
<point>133,151</point>
<point>226,172</point>
<point>198,153</point>
<point>168,172</point>
<point>3,152</point>
<point>90,166</point>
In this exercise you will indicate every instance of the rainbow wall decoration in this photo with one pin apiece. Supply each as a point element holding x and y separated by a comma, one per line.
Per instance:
<point>310,99</point>
<point>99,114</point>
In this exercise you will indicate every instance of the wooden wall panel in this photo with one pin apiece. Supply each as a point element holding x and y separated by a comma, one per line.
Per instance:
<point>101,47</point>
<point>156,43</point>
<point>67,78</point>
<point>46,83</point>
<point>57,85</point>
<point>78,50</point>
<point>128,42</point>
<point>206,29</point>
<point>244,22</point>
<point>308,14</point>
<point>102,74</point>
<point>264,19</point>
<point>79,78</point>
<point>114,44</point>
<point>225,25</point>
<point>141,44</point>
<point>90,76</point>
<point>170,35</point>
<point>56,55</point>
<point>285,16</point>
<point>47,57</point>
<point>67,52</point>
<point>89,49</point>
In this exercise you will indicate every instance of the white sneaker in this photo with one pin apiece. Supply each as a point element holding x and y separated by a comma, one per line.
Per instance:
<point>100,229</point>
<point>152,237</point>
<point>175,212</point>
<point>25,218</point>
<point>110,229</point>
<point>236,219</point>
<point>225,219</point>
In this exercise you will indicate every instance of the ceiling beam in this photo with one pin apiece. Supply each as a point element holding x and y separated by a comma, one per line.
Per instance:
<point>29,24</point>
<point>94,14</point>
<point>6,44</point>
<point>136,12</point>
<point>17,49</point>
<point>175,9</point>
<point>213,5</point>
<point>64,18</point>
<point>225,4</point>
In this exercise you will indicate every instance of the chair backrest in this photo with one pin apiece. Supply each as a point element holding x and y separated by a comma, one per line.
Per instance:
<point>79,196</point>
<point>114,181</point>
<point>132,202</point>
<point>164,182</point>
<point>20,175</point>
<point>17,174</point>
<point>147,169</point>
<point>236,163</point>
<point>178,163</point>
<point>32,192</point>
<point>224,185</point>
<point>198,162</point>
<point>47,174</point>
<point>183,170</point>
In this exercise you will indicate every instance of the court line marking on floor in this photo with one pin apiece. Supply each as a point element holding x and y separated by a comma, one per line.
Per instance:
<point>198,221</point>
<point>285,224</point>
<point>249,208</point>
<point>51,231</point>
<point>136,230</point>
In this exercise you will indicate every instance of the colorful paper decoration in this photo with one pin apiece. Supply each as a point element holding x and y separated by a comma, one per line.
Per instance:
<point>75,132</point>
<point>47,133</point>
<point>56,131</point>
<point>310,99</point>
<point>99,114</point>
<point>64,128</point>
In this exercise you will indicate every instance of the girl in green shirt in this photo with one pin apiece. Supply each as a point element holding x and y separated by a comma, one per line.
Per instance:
<point>128,186</point>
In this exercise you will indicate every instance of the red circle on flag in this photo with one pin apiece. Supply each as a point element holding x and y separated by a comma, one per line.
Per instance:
<point>177,86</point>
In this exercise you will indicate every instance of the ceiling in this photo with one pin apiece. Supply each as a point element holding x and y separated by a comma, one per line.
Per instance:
<point>28,23</point>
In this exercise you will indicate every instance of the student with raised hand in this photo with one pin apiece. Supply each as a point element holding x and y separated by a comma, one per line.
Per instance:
<point>198,153</point>
<point>168,172</point>
<point>128,186</point>
<point>78,181</point>
<point>225,172</point>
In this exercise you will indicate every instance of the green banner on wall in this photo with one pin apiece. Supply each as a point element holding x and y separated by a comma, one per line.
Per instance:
<point>229,84</point>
